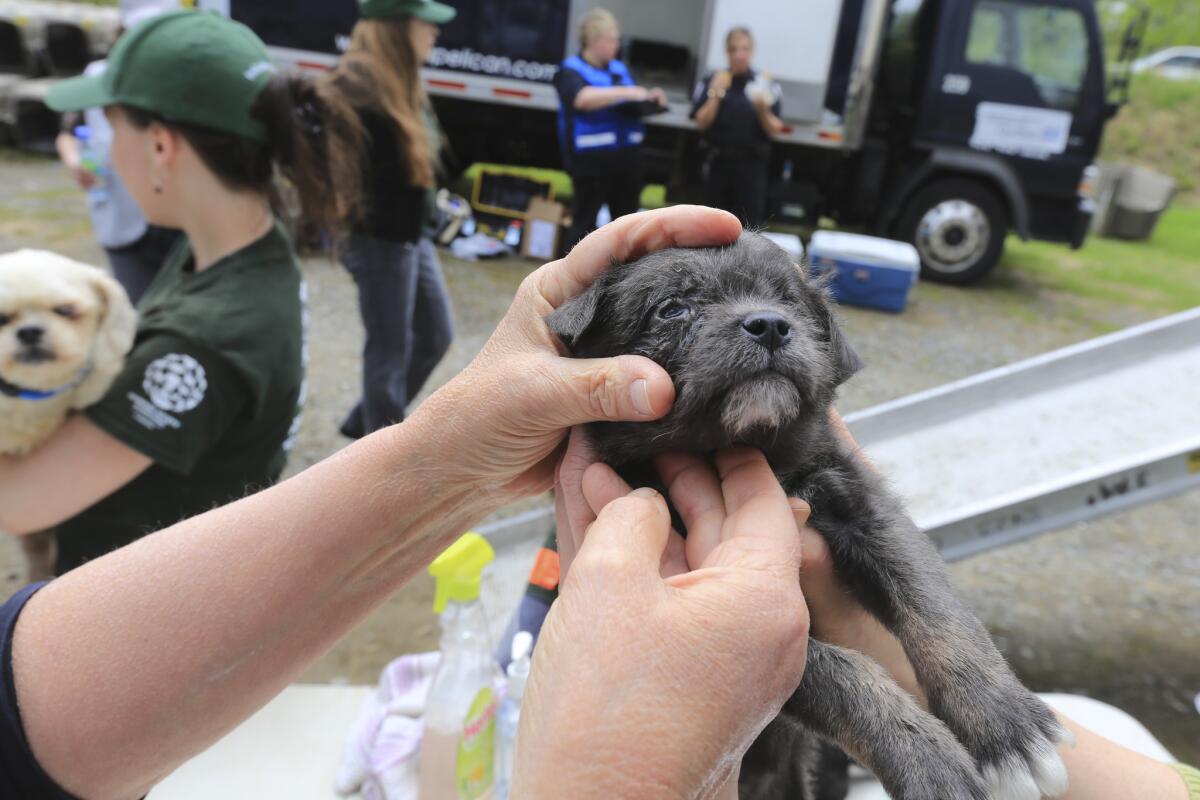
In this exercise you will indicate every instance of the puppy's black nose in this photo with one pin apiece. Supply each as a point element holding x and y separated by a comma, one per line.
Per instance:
<point>772,331</point>
<point>30,334</point>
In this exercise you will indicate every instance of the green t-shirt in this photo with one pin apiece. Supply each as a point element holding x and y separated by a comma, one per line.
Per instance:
<point>211,391</point>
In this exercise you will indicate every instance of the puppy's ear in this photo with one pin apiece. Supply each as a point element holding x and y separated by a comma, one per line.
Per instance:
<point>845,360</point>
<point>572,319</point>
<point>114,338</point>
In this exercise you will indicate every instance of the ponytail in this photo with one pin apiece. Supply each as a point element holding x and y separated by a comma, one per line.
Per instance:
<point>318,145</point>
<point>315,145</point>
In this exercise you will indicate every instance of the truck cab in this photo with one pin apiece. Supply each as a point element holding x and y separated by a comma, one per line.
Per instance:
<point>991,112</point>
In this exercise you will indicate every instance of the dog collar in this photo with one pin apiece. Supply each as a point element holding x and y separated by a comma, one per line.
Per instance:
<point>12,390</point>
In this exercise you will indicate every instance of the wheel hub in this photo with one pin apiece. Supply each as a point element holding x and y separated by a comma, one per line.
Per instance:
<point>953,235</point>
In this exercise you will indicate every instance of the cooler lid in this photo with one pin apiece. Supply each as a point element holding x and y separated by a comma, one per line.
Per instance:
<point>869,249</point>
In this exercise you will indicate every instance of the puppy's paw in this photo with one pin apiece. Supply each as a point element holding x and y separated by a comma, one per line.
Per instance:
<point>929,764</point>
<point>1031,770</point>
<point>1018,750</point>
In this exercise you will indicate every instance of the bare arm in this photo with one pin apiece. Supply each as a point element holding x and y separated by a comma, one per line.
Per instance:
<point>69,153</point>
<point>707,113</point>
<point>77,467</point>
<point>594,98</point>
<point>135,662</point>
<point>180,636</point>
<point>1102,770</point>
<point>718,84</point>
<point>68,149</point>
<point>771,124</point>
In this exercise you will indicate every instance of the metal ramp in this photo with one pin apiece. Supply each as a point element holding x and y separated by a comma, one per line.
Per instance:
<point>1060,438</point>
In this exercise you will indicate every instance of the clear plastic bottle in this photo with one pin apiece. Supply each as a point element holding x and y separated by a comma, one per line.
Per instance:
<point>458,746</point>
<point>512,236</point>
<point>509,715</point>
<point>93,159</point>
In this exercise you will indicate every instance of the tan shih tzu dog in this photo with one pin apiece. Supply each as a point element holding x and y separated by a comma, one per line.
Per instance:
<point>65,328</point>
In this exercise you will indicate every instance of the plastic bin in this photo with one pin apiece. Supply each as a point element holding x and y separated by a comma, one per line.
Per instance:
<point>1130,201</point>
<point>867,271</point>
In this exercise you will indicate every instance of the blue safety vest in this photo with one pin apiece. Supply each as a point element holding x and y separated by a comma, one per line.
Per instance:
<point>605,129</point>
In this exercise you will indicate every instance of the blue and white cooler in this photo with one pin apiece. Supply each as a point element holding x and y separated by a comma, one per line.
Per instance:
<point>868,271</point>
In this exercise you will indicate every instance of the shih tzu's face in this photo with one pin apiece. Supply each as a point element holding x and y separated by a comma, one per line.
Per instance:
<point>747,337</point>
<point>51,313</point>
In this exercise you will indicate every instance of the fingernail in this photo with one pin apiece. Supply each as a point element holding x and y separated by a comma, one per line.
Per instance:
<point>645,492</point>
<point>639,393</point>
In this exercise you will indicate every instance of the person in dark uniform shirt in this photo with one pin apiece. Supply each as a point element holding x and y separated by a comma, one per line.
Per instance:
<point>738,109</point>
<point>599,125</point>
<point>208,403</point>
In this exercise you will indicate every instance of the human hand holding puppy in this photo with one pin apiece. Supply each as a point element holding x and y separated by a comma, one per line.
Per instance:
<point>676,675</point>
<point>505,416</point>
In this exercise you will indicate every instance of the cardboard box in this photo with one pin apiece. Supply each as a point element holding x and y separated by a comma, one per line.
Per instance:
<point>868,271</point>
<point>543,223</point>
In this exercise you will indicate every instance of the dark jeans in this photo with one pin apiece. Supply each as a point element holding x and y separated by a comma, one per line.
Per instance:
<point>135,265</point>
<point>621,190</point>
<point>739,186</point>
<point>409,324</point>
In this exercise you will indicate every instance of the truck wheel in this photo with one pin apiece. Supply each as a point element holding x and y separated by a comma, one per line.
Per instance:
<point>958,228</point>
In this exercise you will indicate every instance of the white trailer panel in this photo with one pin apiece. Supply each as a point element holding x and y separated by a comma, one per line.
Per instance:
<point>793,42</point>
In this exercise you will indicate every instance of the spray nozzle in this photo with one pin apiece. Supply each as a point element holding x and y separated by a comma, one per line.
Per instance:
<point>518,668</point>
<point>458,570</point>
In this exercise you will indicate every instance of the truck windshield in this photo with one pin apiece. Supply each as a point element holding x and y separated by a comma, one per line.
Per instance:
<point>1047,45</point>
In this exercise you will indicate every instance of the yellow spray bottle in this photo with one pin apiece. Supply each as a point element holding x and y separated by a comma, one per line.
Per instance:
<point>457,748</point>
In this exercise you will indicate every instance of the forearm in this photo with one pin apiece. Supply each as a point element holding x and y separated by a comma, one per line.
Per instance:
<point>1102,770</point>
<point>707,113</point>
<point>80,465</point>
<point>771,124</point>
<point>594,98</point>
<point>68,149</point>
<point>135,662</point>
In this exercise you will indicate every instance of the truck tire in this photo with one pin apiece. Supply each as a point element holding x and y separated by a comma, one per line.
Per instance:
<point>958,227</point>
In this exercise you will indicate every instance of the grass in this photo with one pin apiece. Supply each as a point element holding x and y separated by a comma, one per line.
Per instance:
<point>1162,274</point>
<point>1159,129</point>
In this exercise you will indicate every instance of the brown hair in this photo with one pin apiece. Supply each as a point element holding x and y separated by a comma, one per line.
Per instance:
<point>380,69</point>
<point>738,30</point>
<point>315,144</point>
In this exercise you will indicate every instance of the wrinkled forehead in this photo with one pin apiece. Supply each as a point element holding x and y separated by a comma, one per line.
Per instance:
<point>751,267</point>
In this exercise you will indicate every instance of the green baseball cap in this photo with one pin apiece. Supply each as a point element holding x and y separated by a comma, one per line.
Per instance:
<point>428,10</point>
<point>188,66</point>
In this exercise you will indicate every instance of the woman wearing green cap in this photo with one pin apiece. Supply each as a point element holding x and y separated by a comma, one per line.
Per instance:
<point>208,403</point>
<point>402,295</point>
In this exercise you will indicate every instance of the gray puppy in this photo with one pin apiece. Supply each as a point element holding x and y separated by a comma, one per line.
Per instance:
<point>756,357</point>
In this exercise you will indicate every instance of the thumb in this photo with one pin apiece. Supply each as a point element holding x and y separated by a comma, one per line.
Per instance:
<point>627,539</point>
<point>625,388</point>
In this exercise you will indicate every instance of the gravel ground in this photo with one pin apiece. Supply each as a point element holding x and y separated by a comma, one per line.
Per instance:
<point>1107,608</point>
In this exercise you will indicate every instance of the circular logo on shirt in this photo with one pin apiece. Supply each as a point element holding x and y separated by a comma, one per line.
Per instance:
<point>175,382</point>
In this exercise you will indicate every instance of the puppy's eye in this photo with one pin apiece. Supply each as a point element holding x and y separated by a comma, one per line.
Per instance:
<point>673,309</point>
<point>4,320</point>
<point>66,311</point>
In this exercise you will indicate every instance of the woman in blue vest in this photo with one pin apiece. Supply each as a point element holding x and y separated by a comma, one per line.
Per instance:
<point>600,134</point>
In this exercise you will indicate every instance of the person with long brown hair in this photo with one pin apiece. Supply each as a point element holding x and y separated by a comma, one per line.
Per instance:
<point>402,294</point>
<point>208,403</point>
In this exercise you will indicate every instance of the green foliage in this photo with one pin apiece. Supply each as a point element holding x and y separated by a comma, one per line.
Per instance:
<point>1160,275</point>
<point>1159,129</point>
<point>1171,22</point>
